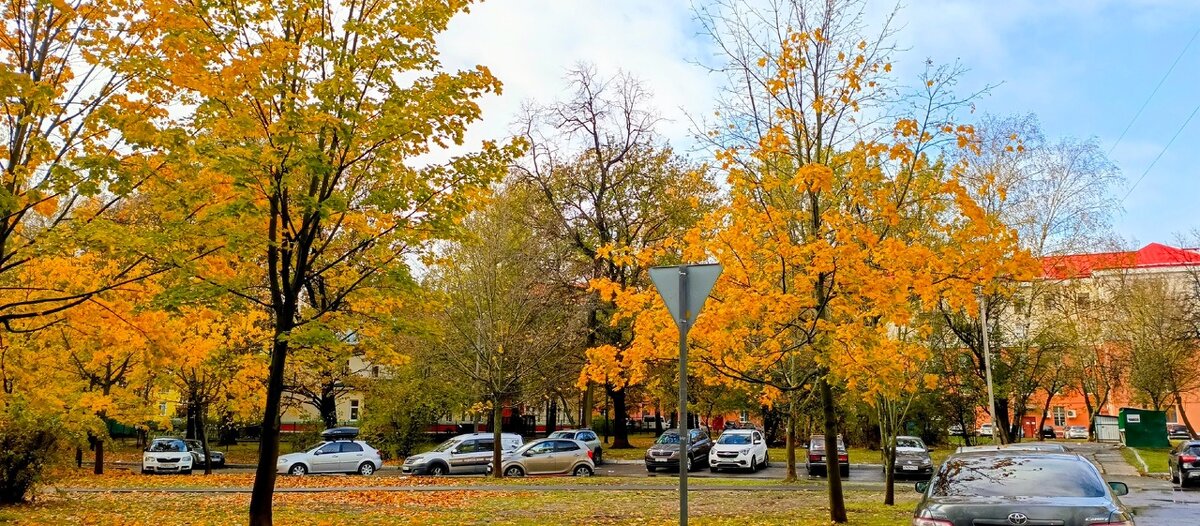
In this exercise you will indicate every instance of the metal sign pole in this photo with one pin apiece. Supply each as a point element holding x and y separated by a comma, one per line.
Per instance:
<point>987,364</point>
<point>682,423</point>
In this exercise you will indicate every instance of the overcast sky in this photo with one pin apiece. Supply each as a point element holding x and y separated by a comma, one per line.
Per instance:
<point>1084,67</point>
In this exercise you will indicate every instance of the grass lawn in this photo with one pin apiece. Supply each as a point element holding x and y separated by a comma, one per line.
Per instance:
<point>1155,458</point>
<point>792,507</point>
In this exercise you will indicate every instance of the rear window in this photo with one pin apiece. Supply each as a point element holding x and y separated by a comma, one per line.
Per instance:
<point>1192,450</point>
<point>819,443</point>
<point>991,476</point>
<point>565,445</point>
<point>910,443</point>
<point>351,447</point>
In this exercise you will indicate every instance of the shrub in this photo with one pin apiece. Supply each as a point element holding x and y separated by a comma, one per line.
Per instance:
<point>29,442</point>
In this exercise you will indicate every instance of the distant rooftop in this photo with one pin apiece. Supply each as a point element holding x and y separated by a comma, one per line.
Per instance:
<point>1154,255</point>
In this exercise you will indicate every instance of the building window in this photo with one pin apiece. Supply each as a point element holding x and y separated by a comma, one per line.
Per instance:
<point>162,409</point>
<point>354,410</point>
<point>1060,416</point>
<point>745,416</point>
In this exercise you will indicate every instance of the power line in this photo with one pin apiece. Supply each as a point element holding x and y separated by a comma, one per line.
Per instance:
<point>1152,93</point>
<point>1160,154</point>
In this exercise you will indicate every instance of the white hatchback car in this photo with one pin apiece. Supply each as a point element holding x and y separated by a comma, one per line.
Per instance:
<point>739,449</point>
<point>335,456</point>
<point>167,455</point>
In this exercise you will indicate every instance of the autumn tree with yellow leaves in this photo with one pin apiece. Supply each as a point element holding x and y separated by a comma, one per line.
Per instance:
<point>836,234</point>
<point>302,165</point>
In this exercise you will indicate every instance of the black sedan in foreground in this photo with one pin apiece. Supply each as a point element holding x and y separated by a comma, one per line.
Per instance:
<point>1020,488</point>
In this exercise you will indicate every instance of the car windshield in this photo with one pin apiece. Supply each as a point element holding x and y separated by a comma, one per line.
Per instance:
<point>734,438</point>
<point>444,446</point>
<point>668,438</point>
<point>1004,476</point>
<point>164,446</point>
<point>909,443</point>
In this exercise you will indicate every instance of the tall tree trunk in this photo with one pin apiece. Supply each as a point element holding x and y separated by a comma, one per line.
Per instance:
<point>658,428</point>
<point>498,444</point>
<point>790,445</point>
<point>587,405</point>
<point>202,413</point>
<point>889,472</point>
<point>268,446</point>
<point>328,407</point>
<point>79,457</point>
<point>98,467</point>
<point>1183,414</point>
<point>1042,421</point>
<point>552,417</point>
<point>1000,429</point>
<point>620,415</point>
<point>837,503</point>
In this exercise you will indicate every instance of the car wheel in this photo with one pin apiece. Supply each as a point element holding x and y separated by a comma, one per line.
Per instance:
<point>437,470</point>
<point>599,456</point>
<point>514,471</point>
<point>298,470</point>
<point>582,471</point>
<point>186,472</point>
<point>366,469</point>
<point>713,469</point>
<point>845,472</point>
<point>146,472</point>
<point>767,460</point>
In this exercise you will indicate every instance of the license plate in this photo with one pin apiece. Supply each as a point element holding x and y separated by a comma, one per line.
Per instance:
<point>908,468</point>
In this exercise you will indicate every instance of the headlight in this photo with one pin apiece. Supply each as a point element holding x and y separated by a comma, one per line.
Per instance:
<point>148,459</point>
<point>744,451</point>
<point>926,462</point>
<point>282,460</point>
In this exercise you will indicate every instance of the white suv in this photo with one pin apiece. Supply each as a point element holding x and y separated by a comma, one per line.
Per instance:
<point>469,453</point>
<point>739,449</point>
<point>167,455</point>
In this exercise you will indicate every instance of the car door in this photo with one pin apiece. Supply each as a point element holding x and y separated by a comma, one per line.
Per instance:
<point>352,455</point>
<point>327,458</point>
<point>460,456</point>
<point>540,458</point>
<point>567,453</point>
<point>760,446</point>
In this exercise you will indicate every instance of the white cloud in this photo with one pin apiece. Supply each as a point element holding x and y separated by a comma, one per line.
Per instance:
<point>530,44</point>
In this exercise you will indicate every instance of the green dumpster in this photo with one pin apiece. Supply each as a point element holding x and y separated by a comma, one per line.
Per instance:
<point>1143,427</point>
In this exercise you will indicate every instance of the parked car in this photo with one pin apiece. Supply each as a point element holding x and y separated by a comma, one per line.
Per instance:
<point>1019,446</point>
<point>955,431</point>
<point>814,461</point>
<point>548,456</point>
<point>1049,432</point>
<point>1076,432</point>
<point>665,451</point>
<point>587,436</point>
<point>197,449</point>
<point>912,458</point>
<point>467,453</point>
<point>167,455</point>
<point>1184,463</point>
<point>739,449</point>
<point>984,430</point>
<point>1178,432</point>
<point>341,452</point>
<point>1020,487</point>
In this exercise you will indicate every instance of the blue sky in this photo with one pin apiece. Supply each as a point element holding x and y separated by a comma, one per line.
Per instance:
<point>1083,66</point>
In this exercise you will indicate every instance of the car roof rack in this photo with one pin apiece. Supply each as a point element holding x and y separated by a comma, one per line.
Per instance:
<point>340,433</point>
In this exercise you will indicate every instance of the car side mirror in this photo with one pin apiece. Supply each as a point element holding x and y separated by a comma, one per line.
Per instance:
<point>1119,488</point>
<point>922,486</point>
<point>756,442</point>
<point>527,454</point>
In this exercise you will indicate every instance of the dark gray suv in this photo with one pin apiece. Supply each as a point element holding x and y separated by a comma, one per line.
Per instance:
<point>664,453</point>
<point>1010,487</point>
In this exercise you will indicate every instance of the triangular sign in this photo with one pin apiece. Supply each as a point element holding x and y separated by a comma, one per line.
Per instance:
<point>698,280</point>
